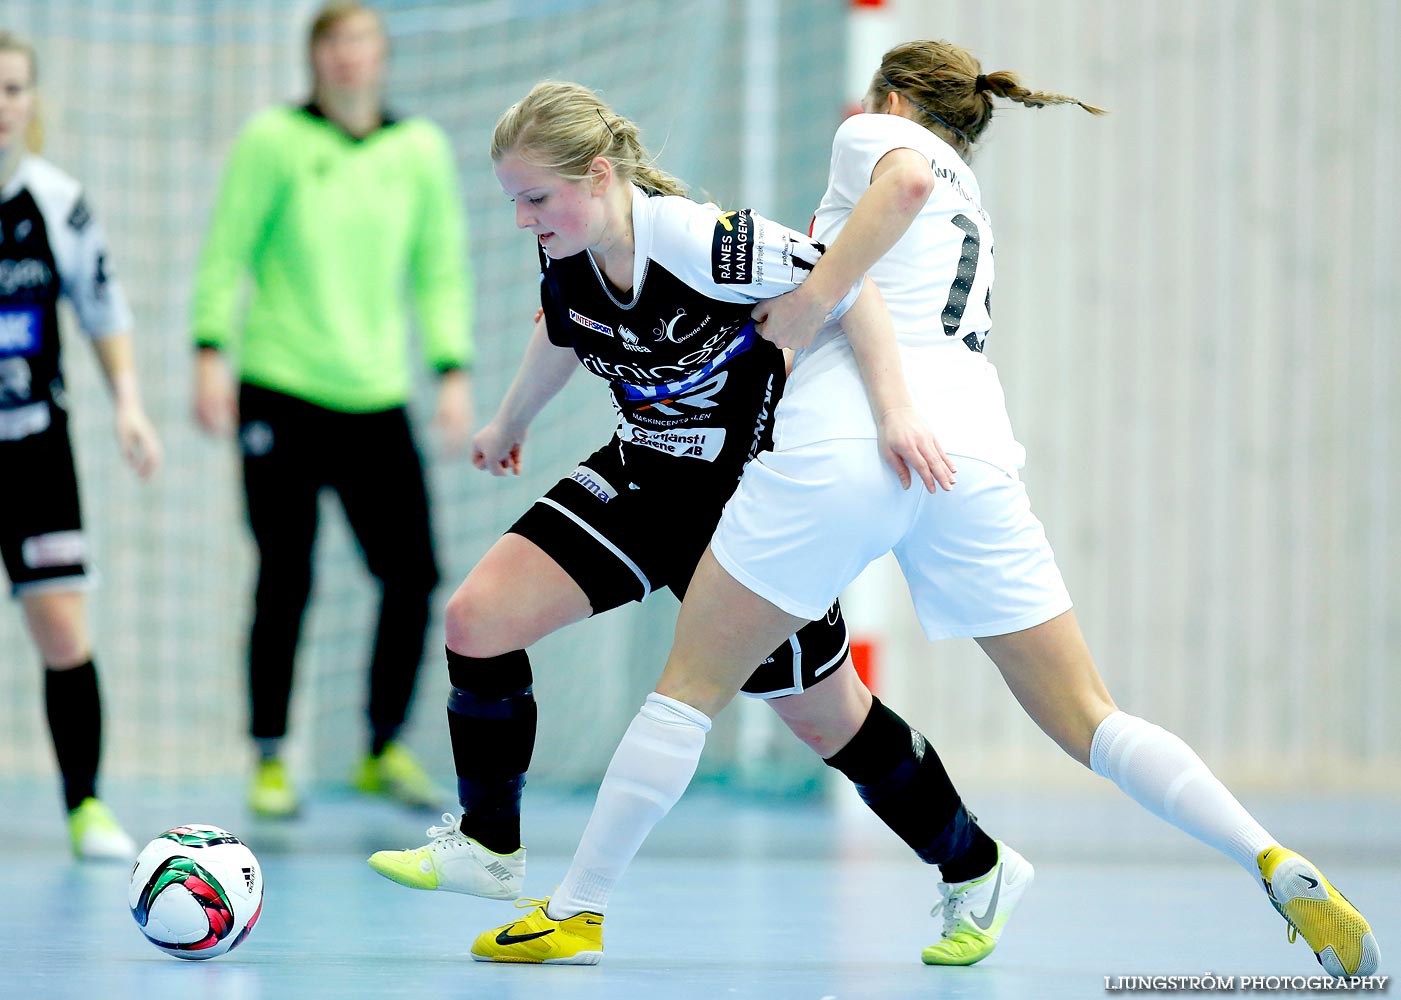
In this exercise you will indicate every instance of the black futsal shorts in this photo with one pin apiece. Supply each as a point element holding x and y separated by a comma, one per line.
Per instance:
<point>621,536</point>
<point>41,526</point>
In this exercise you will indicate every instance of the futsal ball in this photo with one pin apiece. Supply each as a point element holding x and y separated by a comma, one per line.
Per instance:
<point>196,891</point>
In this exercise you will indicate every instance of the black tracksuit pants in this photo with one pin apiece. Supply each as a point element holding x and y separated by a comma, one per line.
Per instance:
<point>291,450</point>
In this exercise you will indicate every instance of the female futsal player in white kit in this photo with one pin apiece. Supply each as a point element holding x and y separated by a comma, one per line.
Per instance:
<point>903,206</point>
<point>652,292</point>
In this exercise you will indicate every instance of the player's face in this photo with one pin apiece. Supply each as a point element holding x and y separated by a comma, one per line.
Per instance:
<point>16,98</point>
<point>565,215</point>
<point>350,57</point>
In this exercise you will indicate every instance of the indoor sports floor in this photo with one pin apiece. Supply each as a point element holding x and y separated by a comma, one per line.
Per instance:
<point>732,897</point>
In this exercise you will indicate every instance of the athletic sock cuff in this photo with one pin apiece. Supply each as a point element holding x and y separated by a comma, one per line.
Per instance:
<point>880,744</point>
<point>77,672</point>
<point>582,892</point>
<point>669,711</point>
<point>491,676</point>
<point>1105,736</point>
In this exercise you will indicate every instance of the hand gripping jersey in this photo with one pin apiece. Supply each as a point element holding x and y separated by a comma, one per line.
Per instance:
<point>937,284</point>
<point>691,380</point>
<point>50,246</point>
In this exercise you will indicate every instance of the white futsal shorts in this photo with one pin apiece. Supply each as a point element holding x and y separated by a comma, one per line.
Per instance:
<point>805,521</point>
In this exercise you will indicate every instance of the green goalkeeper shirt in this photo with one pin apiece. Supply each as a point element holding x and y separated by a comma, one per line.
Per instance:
<point>336,232</point>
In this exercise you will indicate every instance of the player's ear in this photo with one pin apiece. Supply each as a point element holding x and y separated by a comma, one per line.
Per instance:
<point>600,175</point>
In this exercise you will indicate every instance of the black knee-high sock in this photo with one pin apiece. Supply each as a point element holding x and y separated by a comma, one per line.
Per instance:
<point>901,778</point>
<point>491,717</point>
<point>74,708</point>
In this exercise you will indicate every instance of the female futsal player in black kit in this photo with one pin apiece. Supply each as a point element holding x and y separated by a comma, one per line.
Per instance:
<point>652,292</point>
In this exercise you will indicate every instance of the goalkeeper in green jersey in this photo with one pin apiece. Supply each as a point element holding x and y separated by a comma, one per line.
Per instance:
<point>338,211</point>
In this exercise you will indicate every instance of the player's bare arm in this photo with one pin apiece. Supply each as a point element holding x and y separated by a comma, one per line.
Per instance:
<point>901,184</point>
<point>906,444</point>
<point>543,373</point>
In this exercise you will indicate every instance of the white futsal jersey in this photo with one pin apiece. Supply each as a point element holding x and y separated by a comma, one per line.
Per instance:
<point>936,282</point>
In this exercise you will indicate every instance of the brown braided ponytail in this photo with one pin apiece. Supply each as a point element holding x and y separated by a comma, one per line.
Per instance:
<point>945,84</point>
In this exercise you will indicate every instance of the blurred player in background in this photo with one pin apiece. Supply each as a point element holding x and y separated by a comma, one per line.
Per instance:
<point>51,246</point>
<point>334,208</point>
<point>652,292</point>
<point>902,204</point>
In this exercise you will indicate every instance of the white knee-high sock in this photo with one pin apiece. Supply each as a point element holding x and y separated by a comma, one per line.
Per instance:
<point>1164,775</point>
<point>650,769</point>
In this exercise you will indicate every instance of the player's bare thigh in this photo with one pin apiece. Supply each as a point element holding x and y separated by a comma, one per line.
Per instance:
<point>723,630</point>
<point>1050,671</point>
<point>58,625</point>
<point>515,596</point>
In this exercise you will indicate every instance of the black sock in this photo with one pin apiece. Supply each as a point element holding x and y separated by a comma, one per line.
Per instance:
<point>74,708</point>
<point>902,779</point>
<point>491,717</point>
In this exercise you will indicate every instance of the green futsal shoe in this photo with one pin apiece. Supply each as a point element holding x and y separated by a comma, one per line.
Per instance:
<point>398,775</point>
<point>96,835</point>
<point>270,793</point>
<point>451,861</point>
<point>976,911</point>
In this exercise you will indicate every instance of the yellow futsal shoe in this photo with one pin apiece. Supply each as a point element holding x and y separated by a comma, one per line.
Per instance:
<point>975,911</point>
<point>1340,937</point>
<point>454,862</point>
<point>538,939</point>
<point>398,775</point>
<point>96,835</point>
<point>270,793</point>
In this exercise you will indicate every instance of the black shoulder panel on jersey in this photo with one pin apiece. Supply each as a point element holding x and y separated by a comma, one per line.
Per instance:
<point>732,249</point>
<point>549,307</point>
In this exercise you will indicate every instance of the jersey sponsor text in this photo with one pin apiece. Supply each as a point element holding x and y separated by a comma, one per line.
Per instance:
<point>57,548</point>
<point>731,249</point>
<point>19,332</point>
<point>594,483</point>
<point>591,324</point>
<point>703,443</point>
<point>18,275</point>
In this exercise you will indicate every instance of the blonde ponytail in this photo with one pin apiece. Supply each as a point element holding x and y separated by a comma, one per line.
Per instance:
<point>564,126</point>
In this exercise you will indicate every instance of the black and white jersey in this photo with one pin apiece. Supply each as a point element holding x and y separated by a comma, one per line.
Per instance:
<point>50,247</point>
<point>691,379</point>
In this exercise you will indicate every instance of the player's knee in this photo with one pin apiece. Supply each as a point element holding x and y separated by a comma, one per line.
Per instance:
<point>1076,733</point>
<point>823,737</point>
<point>471,624</point>
<point>61,643</point>
<point>816,737</point>
<point>57,625</point>
<point>823,732</point>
